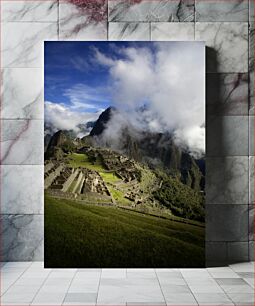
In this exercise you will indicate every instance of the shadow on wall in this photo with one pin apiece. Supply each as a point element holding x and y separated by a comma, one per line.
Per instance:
<point>214,256</point>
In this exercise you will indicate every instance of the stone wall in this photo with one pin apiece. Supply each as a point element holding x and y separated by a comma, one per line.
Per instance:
<point>227,27</point>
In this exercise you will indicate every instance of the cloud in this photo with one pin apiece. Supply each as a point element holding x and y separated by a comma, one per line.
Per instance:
<point>60,117</point>
<point>169,79</point>
<point>158,87</point>
<point>86,98</point>
<point>80,64</point>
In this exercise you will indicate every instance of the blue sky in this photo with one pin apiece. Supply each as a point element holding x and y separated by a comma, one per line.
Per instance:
<point>73,76</point>
<point>84,78</point>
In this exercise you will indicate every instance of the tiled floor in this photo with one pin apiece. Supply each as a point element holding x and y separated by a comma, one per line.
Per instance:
<point>27,283</point>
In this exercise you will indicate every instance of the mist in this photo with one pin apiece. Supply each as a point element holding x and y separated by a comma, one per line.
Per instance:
<point>159,91</point>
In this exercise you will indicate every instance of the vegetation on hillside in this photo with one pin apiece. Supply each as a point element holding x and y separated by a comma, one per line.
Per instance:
<point>182,200</point>
<point>92,236</point>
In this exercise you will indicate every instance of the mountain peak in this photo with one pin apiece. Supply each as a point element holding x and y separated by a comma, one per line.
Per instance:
<point>102,121</point>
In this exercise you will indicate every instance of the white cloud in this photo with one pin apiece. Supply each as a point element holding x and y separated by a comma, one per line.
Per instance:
<point>61,117</point>
<point>83,97</point>
<point>170,80</point>
<point>80,64</point>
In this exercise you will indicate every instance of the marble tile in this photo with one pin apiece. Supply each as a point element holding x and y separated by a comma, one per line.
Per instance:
<point>23,43</point>
<point>234,10</point>
<point>228,180</point>
<point>178,289</point>
<point>81,297</point>
<point>250,281</point>
<point>114,273</point>
<point>141,273</point>
<point>88,273</point>
<point>146,303</point>
<point>23,265</point>
<point>251,69</point>
<point>251,10</point>
<point>22,237</point>
<point>168,281</point>
<point>251,180</point>
<point>237,289</point>
<point>20,294</point>
<point>28,281</point>
<point>44,298</point>
<point>56,285</point>
<point>227,42</point>
<point>251,93</point>
<point>251,135</point>
<point>189,274</point>
<point>84,285</point>
<point>213,299</point>
<point>222,272</point>
<point>227,223</point>
<point>144,293</point>
<point>251,250</point>
<point>241,299</point>
<point>112,295</point>
<point>22,142</point>
<point>181,31</point>
<point>215,253</point>
<point>251,222</point>
<point>22,10</point>
<point>227,94</point>
<point>76,22</point>
<point>227,136</point>
<point>62,274</point>
<point>22,189</point>
<point>205,288</point>
<point>22,93</point>
<point>129,31</point>
<point>238,251</point>
<point>243,267</point>
<point>180,299</point>
<point>154,10</point>
<point>246,275</point>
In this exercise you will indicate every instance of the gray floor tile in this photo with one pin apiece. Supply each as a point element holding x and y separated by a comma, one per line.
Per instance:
<point>180,299</point>
<point>246,274</point>
<point>243,267</point>
<point>222,272</point>
<point>175,289</point>
<point>242,299</point>
<point>81,297</point>
<point>213,299</point>
<point>230,281</point>
<point>237,289</point>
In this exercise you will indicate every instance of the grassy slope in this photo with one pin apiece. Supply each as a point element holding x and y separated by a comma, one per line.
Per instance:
<point>91,236</point>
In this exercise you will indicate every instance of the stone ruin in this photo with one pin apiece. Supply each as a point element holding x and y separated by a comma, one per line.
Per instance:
<point>78,181</point>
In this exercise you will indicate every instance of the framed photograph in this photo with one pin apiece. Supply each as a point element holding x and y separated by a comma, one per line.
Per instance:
<point>124,141</point>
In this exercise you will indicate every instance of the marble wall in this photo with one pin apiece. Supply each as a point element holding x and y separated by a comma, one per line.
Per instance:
<point>228,30</point>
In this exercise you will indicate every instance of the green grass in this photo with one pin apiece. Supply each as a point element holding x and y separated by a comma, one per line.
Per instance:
<point>92,236</point>
<point>119,196</point>
<point>109,177</point>
<point>71,188</point>
<point>82,160</point>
